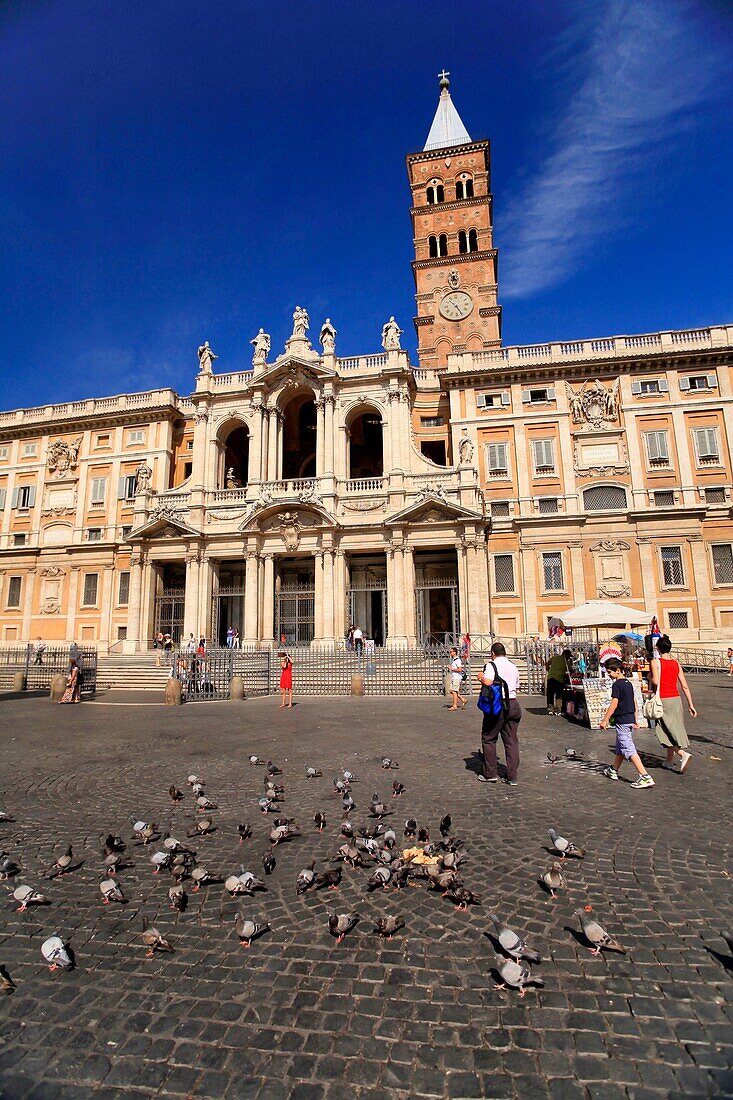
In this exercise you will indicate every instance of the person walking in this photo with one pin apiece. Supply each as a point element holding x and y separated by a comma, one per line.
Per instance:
<point>667,677</point>
<point>558,674</point>
<point>456,679</point>
<point>38,651</point>
<point>350,639</point>
<point>286,680</point>
<point>72,692</point>
<point>506,723</point>
<point>236,640</point>
<point>168,649</point>
<point>623,710</point>
<point>158,647</point>
<point>358,640</point>
<point>730,661</point>
<point>230,638</point>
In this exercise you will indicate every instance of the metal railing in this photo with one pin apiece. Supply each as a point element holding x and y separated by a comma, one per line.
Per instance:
<point>208,677</point>
<point>40,669</point>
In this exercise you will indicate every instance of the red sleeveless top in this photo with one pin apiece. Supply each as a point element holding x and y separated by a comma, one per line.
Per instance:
<point>670,672</point>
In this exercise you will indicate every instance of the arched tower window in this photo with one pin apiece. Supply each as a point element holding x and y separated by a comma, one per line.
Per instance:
<point>472,240</point>
<point>433,246</point>
<point>464,186</point>
<point>435,192</point>
<point>442,245</point>
<point>462,241</point>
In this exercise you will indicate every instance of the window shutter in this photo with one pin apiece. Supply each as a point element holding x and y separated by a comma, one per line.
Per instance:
<point>684,383</point>
<point>663,385</point>
<point>3,494</point>
<point>707,443</point>
<point>550,393</point>
<point>14,498</point>
<point>636,387</point>
<point>122,488</point>
<point>506,398</point>
<point>526,396</point>
<point>32,496</point>
<point>480,400</point>
<point>712,381</point>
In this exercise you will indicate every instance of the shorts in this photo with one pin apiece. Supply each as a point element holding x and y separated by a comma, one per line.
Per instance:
<point>456,679</point>
<point>625,742</point>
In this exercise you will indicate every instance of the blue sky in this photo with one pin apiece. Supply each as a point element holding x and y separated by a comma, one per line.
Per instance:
<point>179,171</point>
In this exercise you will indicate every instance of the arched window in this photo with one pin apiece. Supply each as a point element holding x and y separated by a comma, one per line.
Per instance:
<point>435,192</point>
<point>462,241</point>
<point>442,245</point>
<point>605,498</point>
<point>433,246</point>
<point>464,186</point>
<point>472,240</point>
<point>366,458</point>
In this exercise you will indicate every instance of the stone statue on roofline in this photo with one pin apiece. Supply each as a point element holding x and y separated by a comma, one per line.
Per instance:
<point>261,344</point>
<point>206,358</point>
<point>391,333</point>
<point>301,322</point>
<point>328,337</point>
<point>465,449</point>
<point>143,474</point>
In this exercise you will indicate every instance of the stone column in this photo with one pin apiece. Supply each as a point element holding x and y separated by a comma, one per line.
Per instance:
<point>319,596</point>
<point>132,642</point>
<point>529,589</point>
<point>339,591</point>
<point>268,599</point>
<point>330,402</point>
<point>30,584</point>
<point>191,624</point>
<point>577,572</point>
<point>273,442</point>
<point>477,585</point>
<point>328,636</point>
<point>465,601</point>
<point>408,572</point>
<point>251,597</point>
<point>404,428</point>
<point>395,595</point>
<point>198,473</point>
<point>254,472</point>
<point>320,437</point>
<point>108,578</point>
<point>207,569</point>
<point>648,575</point>
<point>393,396</point>
<point>71,608</point>
<point>264,433</point>
<point>683,446</point>
<point>702,586</point>
<point>147,600</point>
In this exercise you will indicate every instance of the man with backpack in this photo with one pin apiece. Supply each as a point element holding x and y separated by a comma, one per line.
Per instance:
<point>502,715</point>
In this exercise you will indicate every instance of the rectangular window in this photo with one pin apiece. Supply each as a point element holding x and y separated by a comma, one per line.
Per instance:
<point>3,453</point>
<point>698,382</point>
<point>20,539</point>
<point>649,385</point>
<point>497,458</point>
<point>715,495</point>
<point>126,487</point>
<point>548,505</point>
<point>657,449</point>
<point>431,421</point>
<point>136,436</point>
<point>94,534</point>
<point>189,444</point>
<point>25,496</point>
<point>91,583</point>
<point>14,590</point>
<point>678,620</point>
<point>29,449</point>
<point>123,591</point>
<point>723,563</point>
<point>706,445</point>
<point>504,573</point>
<point>500,509</point>
<point>552,571</point>
<point>672,571</point>
<point>492,400</point>
<point>538,396</point>
<point>187,470</point>
<point>101,441</point>
<point>543,451</point>
<point>664,498</point>
<point>99,490</point>
<point>125,533</point>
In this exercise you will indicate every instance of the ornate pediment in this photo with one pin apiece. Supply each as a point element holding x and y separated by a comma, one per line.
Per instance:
<point>162,525</point>
<point>289,520</point>
<point>296,371</point>
<point>434,508</point>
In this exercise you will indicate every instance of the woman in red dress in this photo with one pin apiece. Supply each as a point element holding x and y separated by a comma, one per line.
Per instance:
<point>670,728</point>
<point>286,680</point>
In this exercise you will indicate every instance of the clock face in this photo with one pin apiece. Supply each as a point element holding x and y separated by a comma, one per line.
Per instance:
<point>456,305</point>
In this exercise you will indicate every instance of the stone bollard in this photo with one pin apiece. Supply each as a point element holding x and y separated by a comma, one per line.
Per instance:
<point>357,683</point>
<point>58,687</point>
<point>236,689</point>
<point>19,681</point>
<point>173,692</point>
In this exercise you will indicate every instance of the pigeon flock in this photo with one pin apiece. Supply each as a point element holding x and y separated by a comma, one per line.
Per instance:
<point>386,858</point>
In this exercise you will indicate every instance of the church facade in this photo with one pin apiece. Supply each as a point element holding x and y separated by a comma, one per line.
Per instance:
<point>484,489</point>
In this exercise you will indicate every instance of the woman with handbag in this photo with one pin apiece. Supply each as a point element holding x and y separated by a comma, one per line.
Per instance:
<point>669,726</point>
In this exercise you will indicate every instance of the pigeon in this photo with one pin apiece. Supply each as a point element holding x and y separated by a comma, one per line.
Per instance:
<point>7,985</point>
<point>203,804</point>
<point>329,879</point>
<point>340,786</point>
<point>114,843</point>
<point>410,827</point>
<point>347,829</point>
<point>62,864</point>
<point>397,788</point>
<point>193,780</point>
<point>174,793</point>
<point>349,777</point>
<point>381,877</point>
<point>203,826</point>
<point>349,853</point>
<point>8,867</point>
<point>198,788</point>
<point>171,844</point>
<point>553,758</point>
<point>597,935</point>
<point>451,861</point>
<point>272,769</point>
<point>154,941</point>
<point>255,760</point>
<point>445,826</point>
<point>378,809</point>
<point>305,878</point>
<point>340,924</point>
<point>201,877</point>
<point>26,895</point>
<point>248,930</point>
<point>111,892</point>
<point>513,944</point>
<point>423,836</point>
<point>56,953</point>
<point>348,803</point>
<point>233,885</point>
<point>565,847</point>
<point>387,763</point>
<point>461,896</point>
<point>389,838</point>
<point>268,862</point>
<point>250,882</point>
<point>387,926</point>
<point>245,832</point>
<point>6,818</point>
<point>160,860</point>
<point>443,880</point>
<point>313,773</point>
<point>283,832</point>
<point>573,754</point>
<point>553,879</point>
<point>514,974</point>
<point>114,862</point>
<point>319,819</point>
<point>178,897</point>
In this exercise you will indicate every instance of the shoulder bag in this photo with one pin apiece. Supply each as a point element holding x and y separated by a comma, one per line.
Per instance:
<point>653,709</point>
<point>493,699</point>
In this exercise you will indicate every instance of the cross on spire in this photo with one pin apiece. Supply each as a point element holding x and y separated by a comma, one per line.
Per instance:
<point>444,82</point>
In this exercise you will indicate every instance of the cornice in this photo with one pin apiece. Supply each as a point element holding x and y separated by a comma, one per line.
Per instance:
<point>449,151</point>
<point>461,258</point>
<point>91,422</point>
<point>483,200</point>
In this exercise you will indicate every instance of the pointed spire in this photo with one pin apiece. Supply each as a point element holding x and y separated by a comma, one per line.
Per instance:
<point>447,128</point>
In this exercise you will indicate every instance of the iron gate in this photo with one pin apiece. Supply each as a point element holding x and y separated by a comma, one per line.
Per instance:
<point>208,677</point>
<point>372,619</point>
<point>436,623</point>
<point>295,615</point>
<point>53,659</point>
<point>169,608</point>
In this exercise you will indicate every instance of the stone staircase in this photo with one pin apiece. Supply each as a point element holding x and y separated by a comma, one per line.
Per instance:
<point>130,672</point>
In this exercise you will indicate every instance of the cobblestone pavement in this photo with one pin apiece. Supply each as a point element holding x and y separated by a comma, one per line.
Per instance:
<point>418,1016</point>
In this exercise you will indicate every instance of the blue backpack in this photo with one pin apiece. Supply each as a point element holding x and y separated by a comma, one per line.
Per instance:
<point>493,699</point>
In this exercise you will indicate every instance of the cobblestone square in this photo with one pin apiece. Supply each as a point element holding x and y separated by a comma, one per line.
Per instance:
<point>421,1015</point>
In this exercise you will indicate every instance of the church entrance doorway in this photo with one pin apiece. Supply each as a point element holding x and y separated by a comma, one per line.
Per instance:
<point>437,610</point>
<point>228,605</point>
<point>170,601</point>
<point>295,603</point>
<point>367,596</point>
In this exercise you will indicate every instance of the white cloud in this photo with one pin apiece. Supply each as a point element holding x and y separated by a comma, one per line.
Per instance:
<point>639,78</point>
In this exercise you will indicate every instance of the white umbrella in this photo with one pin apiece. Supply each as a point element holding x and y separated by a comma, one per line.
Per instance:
<point>603,613</point>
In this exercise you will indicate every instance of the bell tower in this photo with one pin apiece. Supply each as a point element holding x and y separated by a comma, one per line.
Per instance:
<point>455,265</point>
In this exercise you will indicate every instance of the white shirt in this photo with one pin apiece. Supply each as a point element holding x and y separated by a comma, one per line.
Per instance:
<point>507,671</point>
<point>456,666</point>
<point>358,633</point>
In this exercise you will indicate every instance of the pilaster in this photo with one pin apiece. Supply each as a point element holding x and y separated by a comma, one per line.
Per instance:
<point>267,630</point>
<point>251,596</point>
<point>191,624</point>
<point>703,593</point>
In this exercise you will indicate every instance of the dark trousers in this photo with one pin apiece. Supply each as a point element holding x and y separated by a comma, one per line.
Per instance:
<point>504,726</point>
<point>554,691</point>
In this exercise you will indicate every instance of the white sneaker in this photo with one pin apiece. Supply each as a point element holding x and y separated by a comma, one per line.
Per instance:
<point>684,761</point>
<point>643,781</point>
<point>610,773</point>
